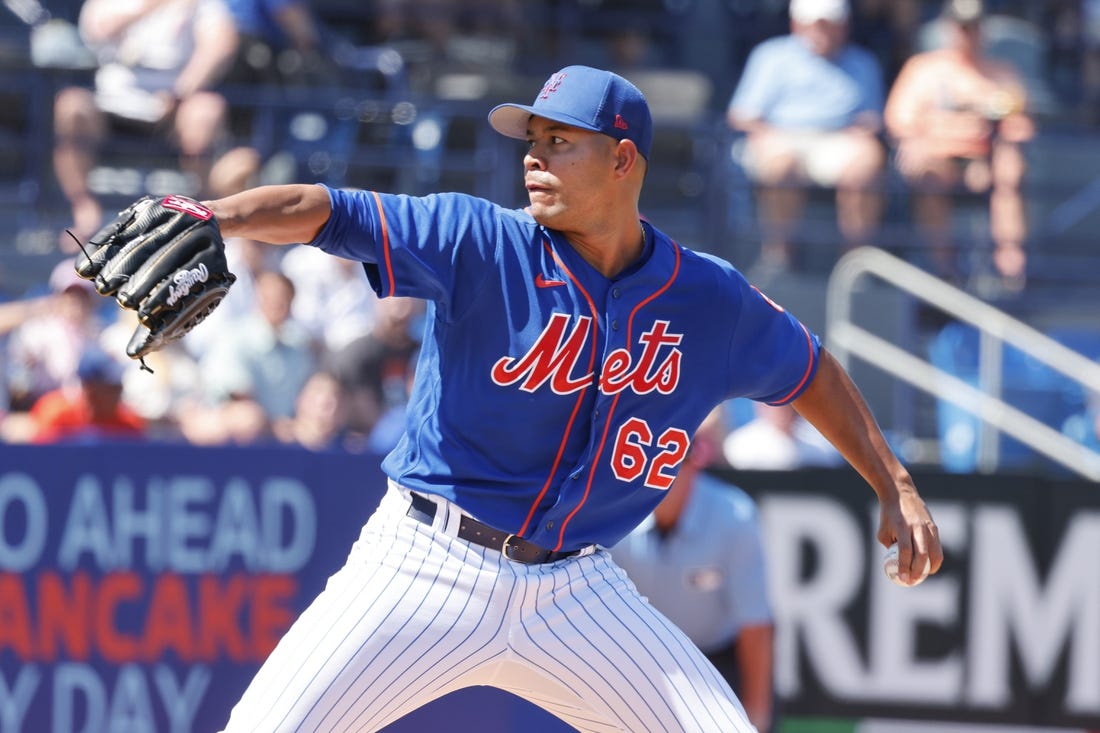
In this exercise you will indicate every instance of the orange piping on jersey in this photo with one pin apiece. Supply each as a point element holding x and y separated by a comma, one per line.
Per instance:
<point>615,402</point>
<point>385,240</point>
<point>580,395</point>
<point>809,369</point>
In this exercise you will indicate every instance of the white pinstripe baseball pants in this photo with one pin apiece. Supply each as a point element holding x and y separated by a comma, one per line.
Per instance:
<point>415,614</point>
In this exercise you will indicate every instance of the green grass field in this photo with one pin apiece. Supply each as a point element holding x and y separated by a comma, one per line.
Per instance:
<point>816,725</point>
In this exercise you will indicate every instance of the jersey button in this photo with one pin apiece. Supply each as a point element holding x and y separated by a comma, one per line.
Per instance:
<point>549,525</point>
<point>615,325</point>
<point>615,293</point>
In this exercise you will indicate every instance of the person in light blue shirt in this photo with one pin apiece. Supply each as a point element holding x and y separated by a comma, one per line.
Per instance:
<point>810,105</point>
<point>699,560</point>
<point>269,357</point>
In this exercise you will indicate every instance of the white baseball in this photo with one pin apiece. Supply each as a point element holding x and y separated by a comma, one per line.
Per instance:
<point>890,565</point>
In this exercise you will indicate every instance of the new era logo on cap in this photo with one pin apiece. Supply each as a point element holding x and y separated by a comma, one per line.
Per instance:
<point>592,99</point>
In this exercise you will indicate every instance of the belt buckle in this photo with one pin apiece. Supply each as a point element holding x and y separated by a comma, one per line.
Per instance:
<point>507,547</point>
<point>512,549</point>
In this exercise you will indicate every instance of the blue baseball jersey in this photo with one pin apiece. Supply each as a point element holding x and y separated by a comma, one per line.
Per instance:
<point>550,401</point>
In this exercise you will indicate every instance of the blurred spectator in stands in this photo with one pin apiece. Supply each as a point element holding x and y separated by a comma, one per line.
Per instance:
<point>280,42</point>
<point>810,104</point>
<point>778,439</point>
<point>332,299</point>
<point>156,393</point>
<point>15,313</point>
<point>251,376</point>
<point>159,61</point>
<point>267,356</point>
<point>376,368</point>
<point>89,411</point>
<point>247,259</point>
<point>44,350</point>
<point>233,421</point>
<point>320,420</point>
<point>960,119</point>
<point>699,559</point>
<point>234,171</point>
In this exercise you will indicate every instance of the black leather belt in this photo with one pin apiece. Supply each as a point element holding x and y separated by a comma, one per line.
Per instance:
<point>423,509</point>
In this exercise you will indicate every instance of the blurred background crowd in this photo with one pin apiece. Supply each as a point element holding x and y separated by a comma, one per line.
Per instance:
<point>960,136</point>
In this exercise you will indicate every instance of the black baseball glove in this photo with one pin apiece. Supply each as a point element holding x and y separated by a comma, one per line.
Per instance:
<point>164,258</point>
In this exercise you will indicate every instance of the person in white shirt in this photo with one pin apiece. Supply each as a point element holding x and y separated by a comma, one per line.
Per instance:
<point>159,64</point>
<point>777,439</point>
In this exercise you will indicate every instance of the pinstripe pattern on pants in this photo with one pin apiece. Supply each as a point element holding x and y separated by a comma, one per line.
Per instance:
<point>415,614</point>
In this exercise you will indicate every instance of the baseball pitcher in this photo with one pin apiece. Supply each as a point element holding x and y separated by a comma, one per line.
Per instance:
<point>571,351</point>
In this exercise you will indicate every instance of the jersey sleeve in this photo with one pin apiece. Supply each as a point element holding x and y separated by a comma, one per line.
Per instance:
<point>411,246</point>
<point>773,357</point>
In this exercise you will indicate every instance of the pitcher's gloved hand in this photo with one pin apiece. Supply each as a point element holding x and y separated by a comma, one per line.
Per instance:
<point>164,258</point>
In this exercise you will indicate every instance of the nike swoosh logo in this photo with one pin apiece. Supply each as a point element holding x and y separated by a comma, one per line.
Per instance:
<point>542,282</point>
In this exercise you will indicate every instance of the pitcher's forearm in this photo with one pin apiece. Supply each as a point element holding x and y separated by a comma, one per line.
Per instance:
<point>835,407</point>
<point>289,214</point>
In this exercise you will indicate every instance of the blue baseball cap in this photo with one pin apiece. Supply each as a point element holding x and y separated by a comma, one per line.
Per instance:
<point>96,365</point>
<point>592,99</point>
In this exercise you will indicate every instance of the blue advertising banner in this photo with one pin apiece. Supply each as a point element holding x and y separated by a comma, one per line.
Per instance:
<point>141,589</point>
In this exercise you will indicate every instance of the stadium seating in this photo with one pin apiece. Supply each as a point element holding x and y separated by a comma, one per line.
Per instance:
<point>1026,383</point>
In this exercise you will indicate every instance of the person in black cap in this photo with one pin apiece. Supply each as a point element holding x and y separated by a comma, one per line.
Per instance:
<point>570,350</point>
<point>959,121</point>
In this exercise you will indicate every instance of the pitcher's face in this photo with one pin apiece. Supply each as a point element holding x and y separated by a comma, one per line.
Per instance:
<point>566,173</point>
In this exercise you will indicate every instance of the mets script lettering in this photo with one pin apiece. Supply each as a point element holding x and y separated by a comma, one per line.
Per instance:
<point>554,358</point>
<point>184,280</point>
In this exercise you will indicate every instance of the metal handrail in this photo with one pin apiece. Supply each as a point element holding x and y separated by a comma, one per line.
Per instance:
<point>844,339</point>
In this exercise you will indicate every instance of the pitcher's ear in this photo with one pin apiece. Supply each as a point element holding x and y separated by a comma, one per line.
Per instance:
<point>626,156</point>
